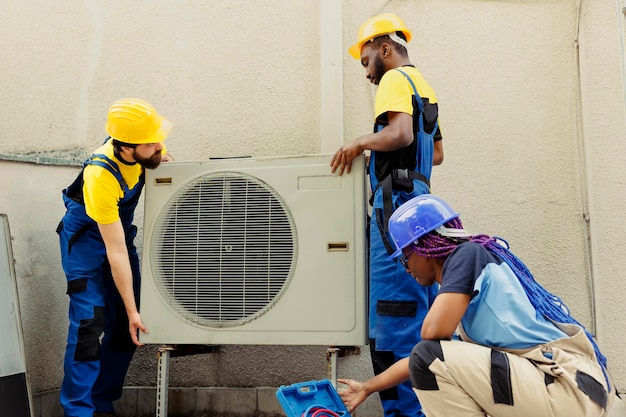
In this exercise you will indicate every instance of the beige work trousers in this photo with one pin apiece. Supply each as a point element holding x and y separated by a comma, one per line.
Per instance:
<point>465,384</point>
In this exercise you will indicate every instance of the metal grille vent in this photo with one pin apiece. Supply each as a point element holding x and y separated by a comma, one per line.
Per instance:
<point>224,249</point>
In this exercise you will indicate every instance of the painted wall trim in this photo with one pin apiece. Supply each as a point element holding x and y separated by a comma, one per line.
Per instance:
<point>331,76</point>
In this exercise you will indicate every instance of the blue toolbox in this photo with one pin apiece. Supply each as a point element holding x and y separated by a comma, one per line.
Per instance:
<point>311,399</point>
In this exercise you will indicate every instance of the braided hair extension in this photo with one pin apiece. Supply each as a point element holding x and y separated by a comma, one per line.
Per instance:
<point>434,245</point>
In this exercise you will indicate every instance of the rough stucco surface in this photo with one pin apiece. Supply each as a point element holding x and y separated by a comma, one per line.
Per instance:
<point>233,78</point>
<point>529,143</point>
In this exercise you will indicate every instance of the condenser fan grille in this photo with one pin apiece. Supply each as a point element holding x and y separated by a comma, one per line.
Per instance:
<point>224,249</point>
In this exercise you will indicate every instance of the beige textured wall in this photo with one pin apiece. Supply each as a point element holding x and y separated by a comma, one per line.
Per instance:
<point>234,77</point>
<point>533,147</point>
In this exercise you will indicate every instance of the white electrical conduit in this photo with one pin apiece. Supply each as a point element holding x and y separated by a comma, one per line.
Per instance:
<point>583,180</point>
<point>622,47</point>
<point>331,76</point>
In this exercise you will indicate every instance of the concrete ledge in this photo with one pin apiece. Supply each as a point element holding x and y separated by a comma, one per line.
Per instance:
<point>182,402</point>
<point>195,402</point>
<point>210,402</point>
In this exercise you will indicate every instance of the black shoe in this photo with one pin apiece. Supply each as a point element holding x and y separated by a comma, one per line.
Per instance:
<point>103,414</point>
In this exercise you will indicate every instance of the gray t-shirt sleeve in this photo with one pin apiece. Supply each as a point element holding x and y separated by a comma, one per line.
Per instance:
<point>463,267</point>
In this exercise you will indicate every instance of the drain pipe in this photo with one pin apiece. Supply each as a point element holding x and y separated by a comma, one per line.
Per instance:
<point>584,178</point>
<point>620,25</point>
<point>331,76</point>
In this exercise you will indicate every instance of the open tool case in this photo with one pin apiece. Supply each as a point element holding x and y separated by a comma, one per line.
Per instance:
<point>311,398</point>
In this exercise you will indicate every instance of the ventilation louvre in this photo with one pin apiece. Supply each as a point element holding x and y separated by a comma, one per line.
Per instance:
<point>224,249</point>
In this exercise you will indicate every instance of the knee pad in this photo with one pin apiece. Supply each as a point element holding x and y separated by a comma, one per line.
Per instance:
<point>89,331</point>
<point>422,355</point>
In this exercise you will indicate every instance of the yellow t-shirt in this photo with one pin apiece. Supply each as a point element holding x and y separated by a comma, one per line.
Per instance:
<point>395,92</point>
<point>102,191</point>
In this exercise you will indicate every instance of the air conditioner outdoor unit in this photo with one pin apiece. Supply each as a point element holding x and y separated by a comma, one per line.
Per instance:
<point>255,251</point>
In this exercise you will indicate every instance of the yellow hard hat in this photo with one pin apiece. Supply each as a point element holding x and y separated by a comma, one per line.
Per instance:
<point>135,121</point>
<point>376,26</point>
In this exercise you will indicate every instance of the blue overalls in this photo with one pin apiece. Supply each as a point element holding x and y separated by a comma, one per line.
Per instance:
<point>94,370</point>
<point>398,304</point>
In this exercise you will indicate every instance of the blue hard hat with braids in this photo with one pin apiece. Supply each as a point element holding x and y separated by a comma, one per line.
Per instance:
<point>417,217</point>
<point>433,230</point>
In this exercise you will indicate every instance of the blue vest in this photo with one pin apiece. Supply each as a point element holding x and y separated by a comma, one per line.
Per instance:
<point>501,315</point>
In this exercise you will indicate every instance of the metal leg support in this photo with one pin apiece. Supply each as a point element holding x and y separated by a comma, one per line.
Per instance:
<point>331,356</point>
<point>162,379</point>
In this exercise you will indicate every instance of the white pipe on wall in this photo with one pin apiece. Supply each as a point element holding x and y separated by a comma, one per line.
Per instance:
<point>620,22</point>
<point>331,76</point>
<point>584,180</point>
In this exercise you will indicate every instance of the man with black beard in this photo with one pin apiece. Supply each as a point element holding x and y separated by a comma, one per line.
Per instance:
<point>100,259</point>
<point>404,146</point>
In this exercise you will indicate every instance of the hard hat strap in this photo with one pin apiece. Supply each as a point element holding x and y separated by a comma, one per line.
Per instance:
<point>394,37</point>
<point>450,232</point>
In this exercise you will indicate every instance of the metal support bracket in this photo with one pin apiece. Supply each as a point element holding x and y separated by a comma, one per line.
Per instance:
<point>332,355</point>
<point>163,369</point>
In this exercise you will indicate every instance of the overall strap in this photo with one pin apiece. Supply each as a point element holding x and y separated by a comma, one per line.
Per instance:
<point>419,115</point>
<point>111,166</point>
<point>415,93</point>
<point>410,80</point>
<point>383,215</point>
